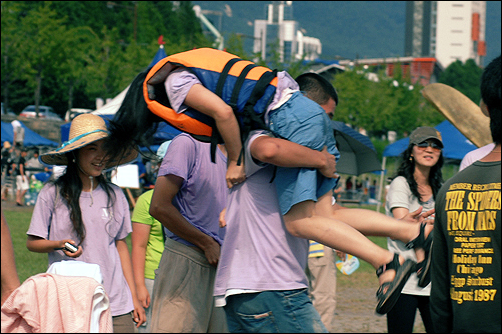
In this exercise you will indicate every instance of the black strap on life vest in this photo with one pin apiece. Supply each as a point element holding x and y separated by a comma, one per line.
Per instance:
<point>250,119</point>
<point>238,85</point>
<point>234,100</point>
<point>223,76</point>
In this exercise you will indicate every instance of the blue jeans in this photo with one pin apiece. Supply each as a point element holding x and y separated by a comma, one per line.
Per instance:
<point>289,311</point>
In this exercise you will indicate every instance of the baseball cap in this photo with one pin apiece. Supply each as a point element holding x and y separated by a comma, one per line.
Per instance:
<point>423,133</point>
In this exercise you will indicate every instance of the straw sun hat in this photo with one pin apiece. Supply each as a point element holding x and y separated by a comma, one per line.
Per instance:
<point>84,129</point>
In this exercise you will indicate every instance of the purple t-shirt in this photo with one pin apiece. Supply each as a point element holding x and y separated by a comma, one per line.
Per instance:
<point>258,253</point>
<point>103,226</point>
<point>204,191</point>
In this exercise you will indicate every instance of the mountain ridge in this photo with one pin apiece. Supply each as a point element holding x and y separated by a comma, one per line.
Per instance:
<point>359,32</point>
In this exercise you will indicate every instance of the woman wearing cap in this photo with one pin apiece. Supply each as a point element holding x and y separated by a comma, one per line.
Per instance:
<point>81,207</point>
<point>417,183</point>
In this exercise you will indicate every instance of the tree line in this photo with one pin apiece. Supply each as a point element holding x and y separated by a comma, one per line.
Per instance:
<point>68,53</point>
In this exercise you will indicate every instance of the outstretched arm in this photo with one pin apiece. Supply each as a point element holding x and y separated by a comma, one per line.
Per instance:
<point>207,102</point>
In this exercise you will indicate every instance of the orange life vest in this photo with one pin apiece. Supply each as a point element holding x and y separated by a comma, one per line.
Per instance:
<point>245,86</point>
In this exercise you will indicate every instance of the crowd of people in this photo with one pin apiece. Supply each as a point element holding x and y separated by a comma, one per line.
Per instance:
<point>221,244</point>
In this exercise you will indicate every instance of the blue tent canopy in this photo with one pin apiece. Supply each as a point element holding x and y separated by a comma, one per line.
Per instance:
<point>161,54</point>
<point>31,138</point>
<point>456,145</point>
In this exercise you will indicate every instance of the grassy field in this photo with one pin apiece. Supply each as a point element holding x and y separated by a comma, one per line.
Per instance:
<point>30,263</point>
<point>27,263</point>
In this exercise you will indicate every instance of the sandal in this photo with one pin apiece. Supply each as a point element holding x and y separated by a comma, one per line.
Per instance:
<point>423,268</point>
<point>387,299</point>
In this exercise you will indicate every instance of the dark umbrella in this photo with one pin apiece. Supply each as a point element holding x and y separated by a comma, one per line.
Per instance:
<point>357,153</point>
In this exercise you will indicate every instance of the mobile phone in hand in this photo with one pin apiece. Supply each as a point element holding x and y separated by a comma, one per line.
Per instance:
<point>70,248</point>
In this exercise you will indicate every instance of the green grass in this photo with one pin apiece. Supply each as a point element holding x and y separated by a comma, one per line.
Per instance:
<point>30,263</point>
<point>27,263</point>
<point>365,275</point>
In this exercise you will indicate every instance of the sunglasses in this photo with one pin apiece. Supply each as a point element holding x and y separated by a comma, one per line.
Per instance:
<point>423,145</point>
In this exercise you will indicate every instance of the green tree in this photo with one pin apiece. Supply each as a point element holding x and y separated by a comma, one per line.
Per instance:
<point>51,50</point>
<point>43,33</point>
<point>11,69</point>
<point>464,77</point>
<point>379,104</point>
<point>80,52</point>
<point>235,45</point>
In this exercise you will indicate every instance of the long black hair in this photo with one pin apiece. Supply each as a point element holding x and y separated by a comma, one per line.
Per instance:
<point>133,124</point>
<point>407,168</point>
<point>69,185</point>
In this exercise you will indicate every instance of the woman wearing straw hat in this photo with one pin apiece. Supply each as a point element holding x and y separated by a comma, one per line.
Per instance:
<point>81,207</point>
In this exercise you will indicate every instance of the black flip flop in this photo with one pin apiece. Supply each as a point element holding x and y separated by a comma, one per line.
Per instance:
<point>387,300</point>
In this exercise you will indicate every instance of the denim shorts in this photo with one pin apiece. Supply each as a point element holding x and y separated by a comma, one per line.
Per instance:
<point>289,311</point>
<point>304,122</point>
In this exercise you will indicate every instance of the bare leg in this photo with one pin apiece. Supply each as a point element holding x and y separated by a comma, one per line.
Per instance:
<point>302,221</point>
<point>372,223</point>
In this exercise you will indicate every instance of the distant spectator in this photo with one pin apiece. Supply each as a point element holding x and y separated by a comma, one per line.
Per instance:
<point>348,188</point>
<point>366,185</point>
<point>33,165</point>
<point>18,139</point>
<point>22,183</point>
<point>6,146</point>
<point>359,186</point>
<point>373,190</point>
<point>7,176</point>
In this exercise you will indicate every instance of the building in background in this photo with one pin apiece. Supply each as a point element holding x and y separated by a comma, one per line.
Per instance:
<point>446,30</point>
<point>281,33</point>
<point>420,70</point>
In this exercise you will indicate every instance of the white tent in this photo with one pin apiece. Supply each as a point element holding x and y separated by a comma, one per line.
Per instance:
<point>111,107</point>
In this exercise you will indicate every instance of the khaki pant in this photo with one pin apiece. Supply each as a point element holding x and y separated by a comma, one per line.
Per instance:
<point>321,272</point>
<point>123,323</point>
<point>183,299</point>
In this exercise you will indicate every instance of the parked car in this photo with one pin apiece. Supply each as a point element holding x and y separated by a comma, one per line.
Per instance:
<point>43,112</point>
<point>74,112</point>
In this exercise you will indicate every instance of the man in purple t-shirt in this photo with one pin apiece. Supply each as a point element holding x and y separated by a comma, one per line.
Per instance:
<point>190,192</point>
<point>262,264</point>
